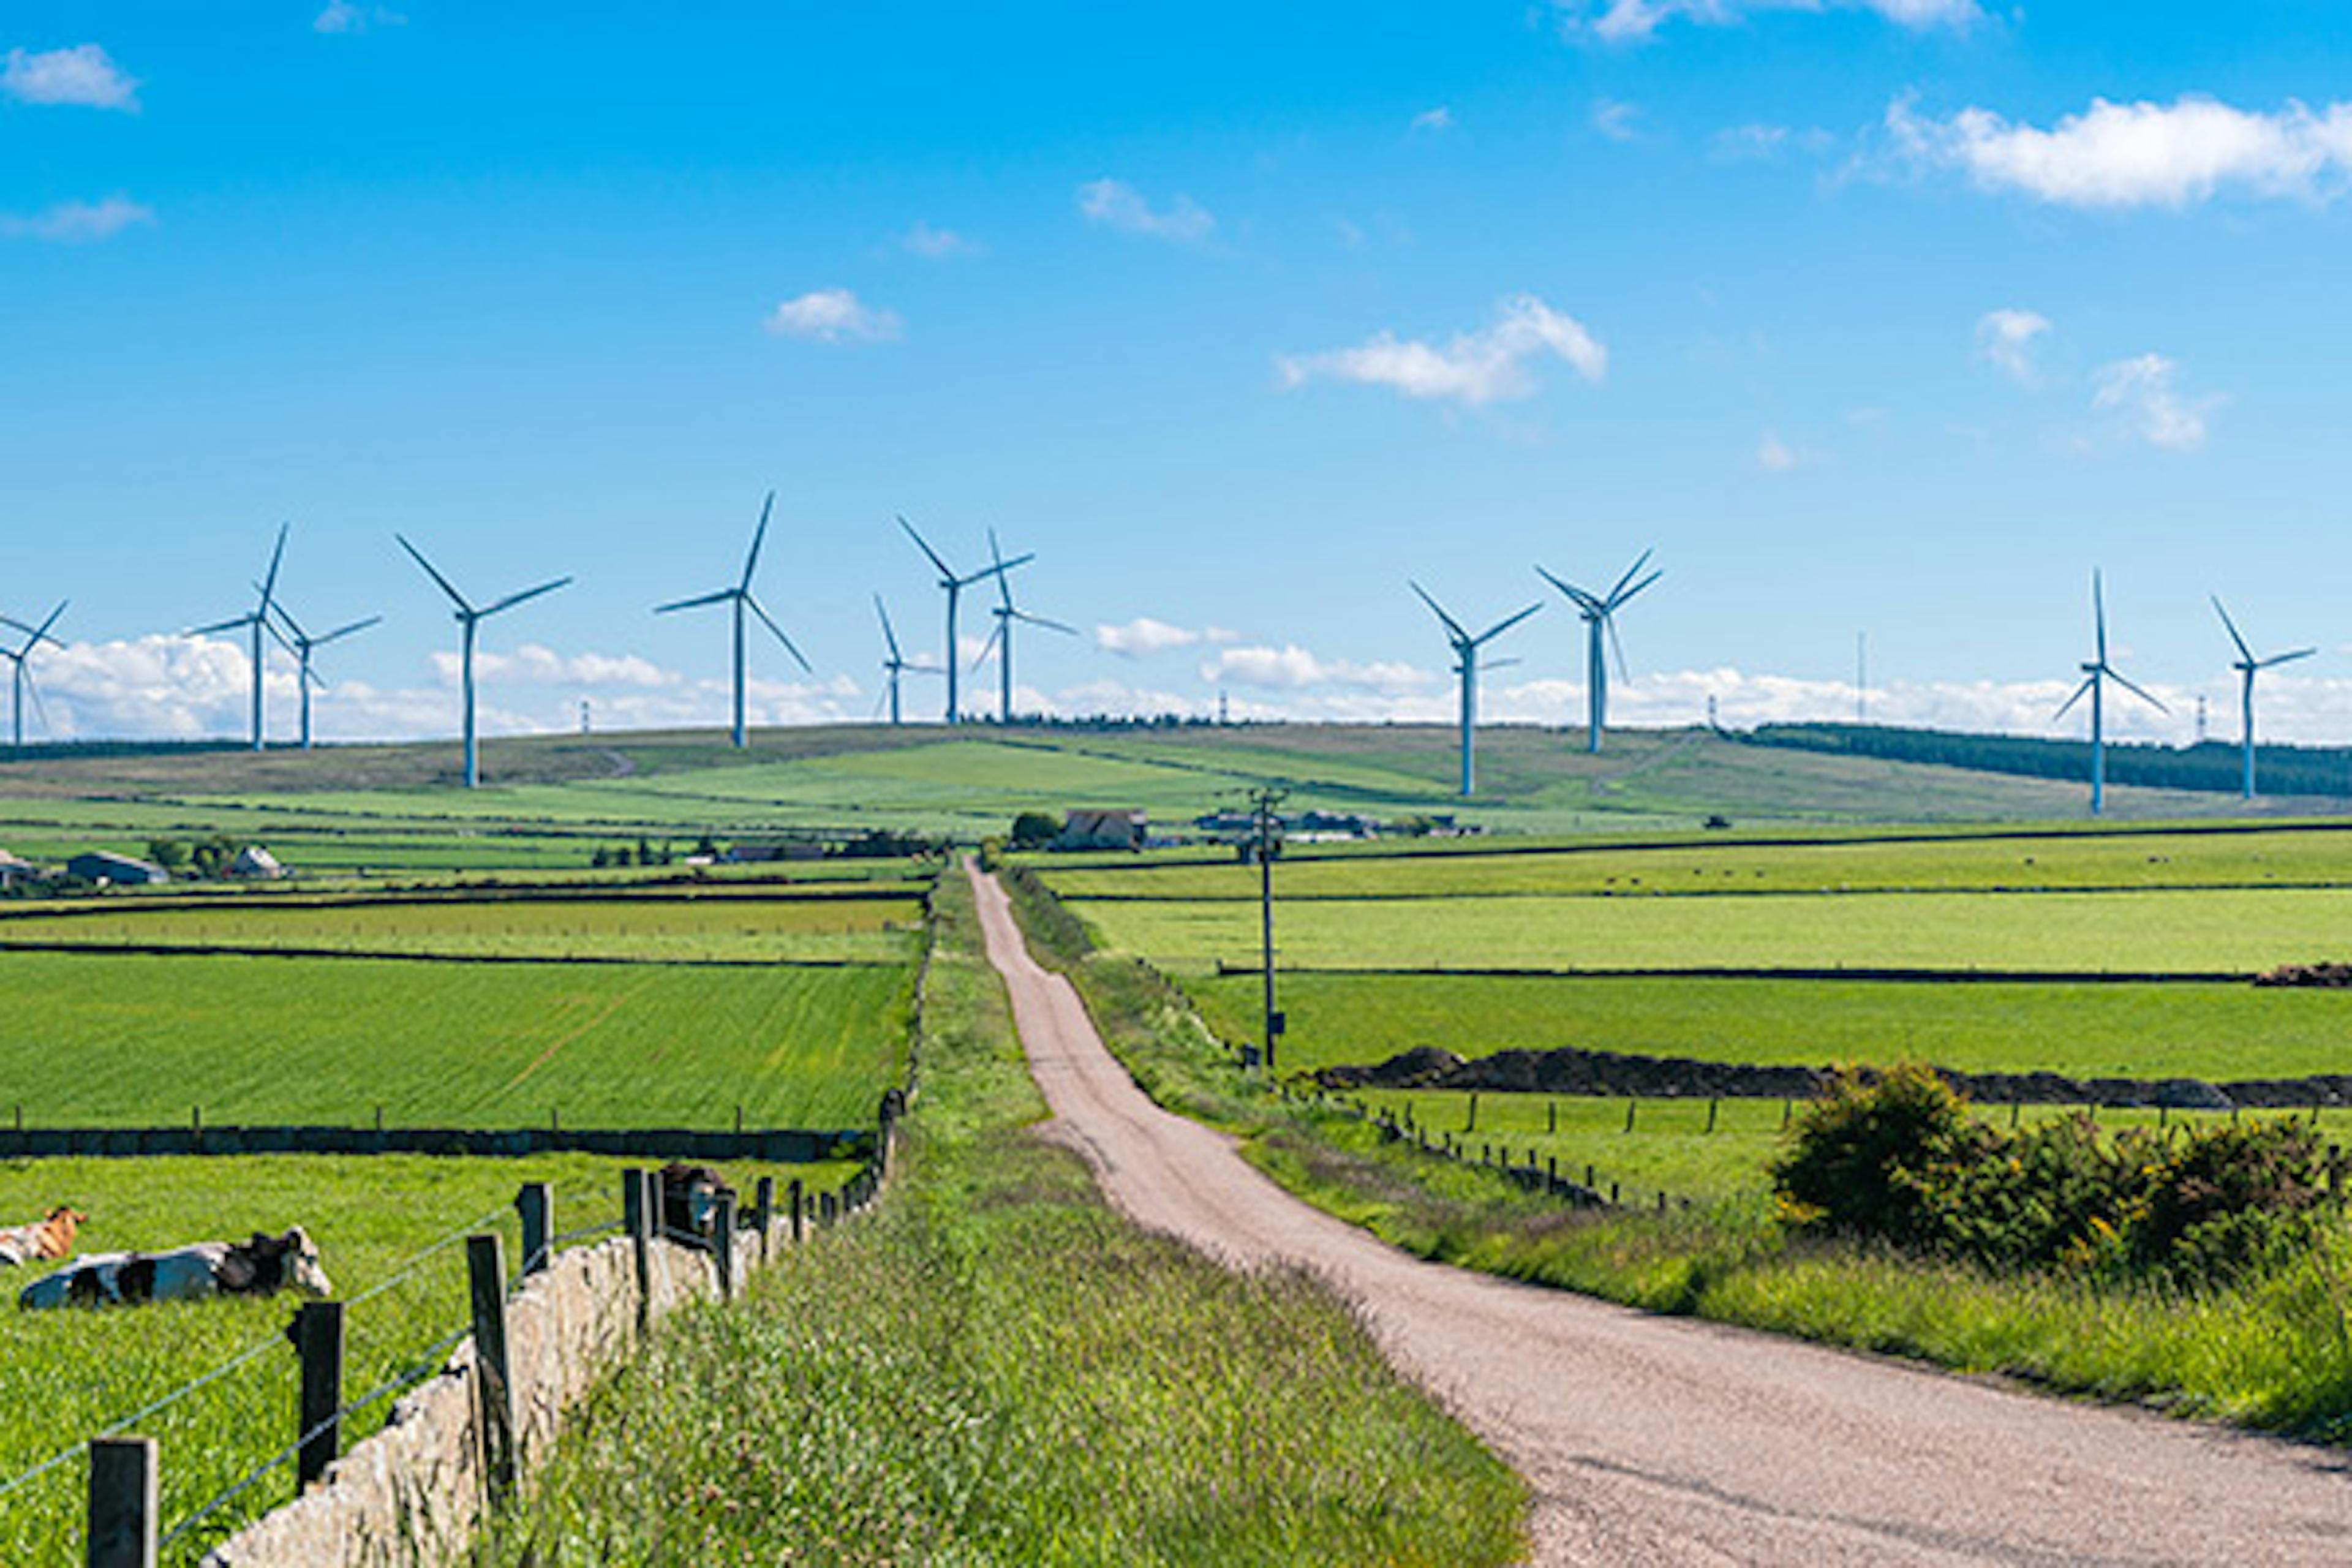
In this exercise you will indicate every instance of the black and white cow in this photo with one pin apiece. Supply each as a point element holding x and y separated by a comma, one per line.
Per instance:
<point>258,1267</point>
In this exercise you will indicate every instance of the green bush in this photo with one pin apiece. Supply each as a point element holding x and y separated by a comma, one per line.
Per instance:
<point>1897,1159</point>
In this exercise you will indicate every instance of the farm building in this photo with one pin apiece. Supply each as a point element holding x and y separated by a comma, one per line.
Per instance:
<point>122,870</point>
<point>252,860</point>
<point>14,868</point>
<point>1101,830</point>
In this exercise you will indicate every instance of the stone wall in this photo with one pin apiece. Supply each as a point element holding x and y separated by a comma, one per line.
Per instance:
<point>414,1493</point>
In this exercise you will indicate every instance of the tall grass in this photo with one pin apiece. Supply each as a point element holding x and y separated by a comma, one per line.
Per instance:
<point>993,1368</point>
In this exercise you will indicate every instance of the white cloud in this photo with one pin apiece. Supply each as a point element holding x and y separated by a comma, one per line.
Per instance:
<point>832,316</point>
<point>1145,636</point>
<point>84,75</point>
<point>77,223</point>
<point>342,16</point>
<point>1634,21</point>
<point>1291,667</point>
<point>1755,141</point>
<point>1117,205</point>
<point>2117,155</point>
<point>1774,454</point>
<point>2006,338</point>
<point>1432,119</point>
<point>938,244</point>
<point>1614,119</point>
<point>1485,366</point>
<point>2144,395</point>
<point>535,663</point>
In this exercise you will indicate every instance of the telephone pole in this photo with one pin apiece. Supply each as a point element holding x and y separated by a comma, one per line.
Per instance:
<point>1263,803</point>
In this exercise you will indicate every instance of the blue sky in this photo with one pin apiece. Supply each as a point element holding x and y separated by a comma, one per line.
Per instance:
<point>1894,316</point>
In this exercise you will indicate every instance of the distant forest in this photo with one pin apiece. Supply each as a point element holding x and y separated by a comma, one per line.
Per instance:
<point>2211,765</point>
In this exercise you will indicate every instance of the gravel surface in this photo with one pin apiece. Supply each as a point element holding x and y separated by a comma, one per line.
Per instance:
<point>1666,1440</point>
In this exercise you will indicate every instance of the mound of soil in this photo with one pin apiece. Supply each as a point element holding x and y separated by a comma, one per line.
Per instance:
<point>1611,1074</point>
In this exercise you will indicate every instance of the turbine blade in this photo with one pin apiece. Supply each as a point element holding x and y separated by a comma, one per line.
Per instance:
<point>1500,663</point>
<point>1622,600</point>
<point>219,626</point>
<point>1617,595</point>
<point>41,635</point>
<point>511,600</point>
<point>2285,658</point>
<point>989,646</point>
<point>1452,627</point>
<point>286,618</point>
<point>430,571</point>
<point>888,635</point>
<point>269,584</point>
<point>1499,627</point>
<point>2099,614</point>
<point>40,710</point>
<point>1576,595</point>
<point>345,631</point>
<point>2137,692</point>
<point>1617,647</point>
<point>2243,651</point>
<point>766,620</point>
<point>998,570</point>
<point>751,561</point>
<point>1051,625</point>
<point>720,597</point>
<point>279,638</point>
<point>947,573</point>
<point>2080,692</point>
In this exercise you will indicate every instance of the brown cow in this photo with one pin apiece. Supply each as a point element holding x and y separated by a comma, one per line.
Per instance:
<point>49,1236</point>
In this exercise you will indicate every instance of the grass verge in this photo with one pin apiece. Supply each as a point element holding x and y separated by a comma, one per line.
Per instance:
<point>2273,1352</point>
<point>993,1368</point>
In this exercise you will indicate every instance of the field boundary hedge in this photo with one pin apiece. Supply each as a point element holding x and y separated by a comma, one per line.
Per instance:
<point>1721,971</point>
<point>777,1145</point>
<point>387,955</point>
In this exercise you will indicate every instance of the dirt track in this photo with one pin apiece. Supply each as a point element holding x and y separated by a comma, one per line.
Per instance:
<point>1651,1440</point>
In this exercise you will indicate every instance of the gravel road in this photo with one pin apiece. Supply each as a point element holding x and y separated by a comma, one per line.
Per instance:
<point>1665,1440</point>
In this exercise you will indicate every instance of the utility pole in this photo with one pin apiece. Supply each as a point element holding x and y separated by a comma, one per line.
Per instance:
<point>1264,801</point>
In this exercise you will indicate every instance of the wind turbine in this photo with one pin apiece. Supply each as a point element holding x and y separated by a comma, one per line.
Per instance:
<point>741,596</point>
<point>1600,612</point>
<point>303,645</point>
<point>2247,667</point>
<point>258,620</point>
<point>1006,613</point>
<point>1465,652</point>
<point>955,586</point>
<point>896,665</point>
<point>21,677</point>
<point>2096,674</point>
<point>468,618</point>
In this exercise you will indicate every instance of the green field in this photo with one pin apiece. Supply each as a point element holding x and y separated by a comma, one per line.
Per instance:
<point>65,1374</point>
<point>715,925</point>
<point>2083,1030</point>
<point>92,1039</point>
<point>2205,931</point>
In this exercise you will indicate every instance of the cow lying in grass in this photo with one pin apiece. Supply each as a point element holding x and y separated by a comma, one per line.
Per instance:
<point>261,1266</point>
<point>52,1236</point>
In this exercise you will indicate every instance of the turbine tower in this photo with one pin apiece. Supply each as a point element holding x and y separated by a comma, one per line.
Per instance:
<point>2097,673</point>
<point>470,618</point>
<point>1600,612</point>
<point>2247,667</point>
<point>741,598</point>
<point>896,665</point>
<point>303,645</point>
<point>257,620</point>
<point>1466,653</point>
<point>21,675</point>
<point>1006,613</point>
<point>955,586</point>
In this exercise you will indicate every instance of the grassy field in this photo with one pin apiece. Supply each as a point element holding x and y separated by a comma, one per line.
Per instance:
<point>2084,1030</point>
<point>107,1039</point>
<point>65,1374</point>
<point>719,925</point>
<point>2207,931</point>
<point>995,1369</point>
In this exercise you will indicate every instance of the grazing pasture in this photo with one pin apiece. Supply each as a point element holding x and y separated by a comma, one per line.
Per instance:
<point>65,1374</point>
<point>105,1039</point>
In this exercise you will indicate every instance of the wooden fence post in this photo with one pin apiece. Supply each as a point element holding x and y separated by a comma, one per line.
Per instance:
<point>1471,1123</point>
<point>800,1213</point>
<point>1630,1103</point>
<point>722,1243</point>
<point>763,1211</point>
<point>319,1341</point>
<point>1552,1116</point>
<point>1711,1106</point>
<point>485,1277</point>
<point>122,1503</point>
<point>536,1205</point>
<point>636,1219</point>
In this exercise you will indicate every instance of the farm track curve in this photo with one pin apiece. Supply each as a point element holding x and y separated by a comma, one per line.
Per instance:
<point>1650,1440</point>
